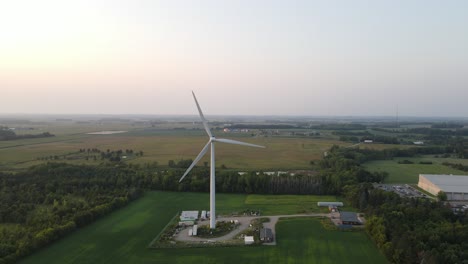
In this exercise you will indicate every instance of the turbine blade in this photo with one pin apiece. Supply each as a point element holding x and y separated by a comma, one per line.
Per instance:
<point>197,159</point>
<point>205,123</point>
<point>235,142</point>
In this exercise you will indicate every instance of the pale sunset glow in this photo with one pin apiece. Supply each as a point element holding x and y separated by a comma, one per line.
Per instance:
<point>290,58</point>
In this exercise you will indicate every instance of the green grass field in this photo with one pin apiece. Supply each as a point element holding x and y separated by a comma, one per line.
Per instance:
<point>409,173</point>
<point>122,237</point>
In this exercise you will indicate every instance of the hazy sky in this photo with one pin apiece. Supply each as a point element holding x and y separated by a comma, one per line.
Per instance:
<point>240,57</point>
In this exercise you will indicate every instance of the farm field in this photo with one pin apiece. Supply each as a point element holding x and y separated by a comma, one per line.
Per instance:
<point>122,236</point>
<point>409,173</point>
<point>162,146</point>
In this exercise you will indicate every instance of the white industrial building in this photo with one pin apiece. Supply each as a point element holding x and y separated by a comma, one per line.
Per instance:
<point>455,186</point>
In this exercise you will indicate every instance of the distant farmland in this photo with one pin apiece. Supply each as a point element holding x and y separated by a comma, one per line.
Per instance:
<point>122,236</point>
<point>162,146</point>
<point>409,173</point>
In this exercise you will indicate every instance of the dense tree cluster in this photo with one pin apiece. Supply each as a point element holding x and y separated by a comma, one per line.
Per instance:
<point>341,167</point>
<point>49,201</point>
<point>406,230</point>
<point>7,134</point>
<point>412,230</point>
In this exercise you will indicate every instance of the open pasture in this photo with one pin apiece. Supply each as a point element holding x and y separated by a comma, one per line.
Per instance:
<point>409,173</point>
<point>122,237</point>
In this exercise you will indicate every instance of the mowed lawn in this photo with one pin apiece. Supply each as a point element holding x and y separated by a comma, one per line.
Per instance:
<point>409,173</point>
<point>304,240</point>
<point>122,237</point>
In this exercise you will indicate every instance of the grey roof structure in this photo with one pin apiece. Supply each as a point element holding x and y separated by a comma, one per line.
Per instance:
<point>349,217</point>
<point>266,233</point>
<point>449,183</point>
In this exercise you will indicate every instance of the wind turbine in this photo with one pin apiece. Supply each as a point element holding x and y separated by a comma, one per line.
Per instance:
<point>211,142</point>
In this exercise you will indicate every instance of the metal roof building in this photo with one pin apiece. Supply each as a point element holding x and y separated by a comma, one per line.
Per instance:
<point>455,186</point>
<point>349,218</point>
<point>266,235</point>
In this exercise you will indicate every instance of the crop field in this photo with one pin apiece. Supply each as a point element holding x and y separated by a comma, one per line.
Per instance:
<point>164,145</point>
<point>409,173</point>
<point>122,237</point>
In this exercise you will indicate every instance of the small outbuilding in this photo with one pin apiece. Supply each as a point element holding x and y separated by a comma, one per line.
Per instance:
<point>189,216</point>
<point>266,235</point>
<point>248,240</point>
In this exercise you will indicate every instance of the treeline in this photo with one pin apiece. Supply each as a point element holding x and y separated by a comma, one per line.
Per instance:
<point>457,166</point>
<point>406,230</point>
<point>360,136</point>
<point>7,134</point>
<point>352,133</point>
<point>339,127</point>
<point>447,125</point>
<point>232,182</point>
<point>260,126</point>
<point>381,139</point>
<point>437,132</point>
<point>375,139</point>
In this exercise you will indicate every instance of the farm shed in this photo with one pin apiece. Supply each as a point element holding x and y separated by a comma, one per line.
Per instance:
<point>266,235</point>
<point>349,218</point>
<point>455,186</point>
<point>189,216</point>
<point>329,204</point>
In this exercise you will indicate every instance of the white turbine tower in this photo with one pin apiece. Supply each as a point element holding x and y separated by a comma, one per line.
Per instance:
<point>211,142</point>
